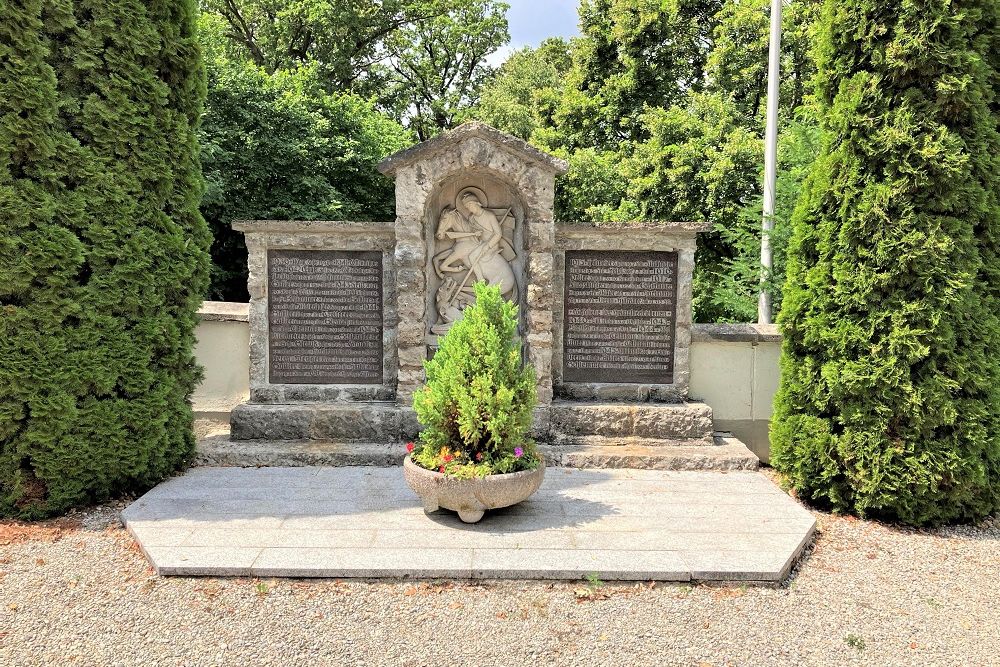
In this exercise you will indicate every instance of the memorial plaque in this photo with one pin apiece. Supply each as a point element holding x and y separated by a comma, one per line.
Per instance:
<point>324,316</point>
<point>619,316</point>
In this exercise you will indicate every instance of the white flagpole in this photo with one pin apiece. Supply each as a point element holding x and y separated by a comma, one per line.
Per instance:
<point>770,160</point>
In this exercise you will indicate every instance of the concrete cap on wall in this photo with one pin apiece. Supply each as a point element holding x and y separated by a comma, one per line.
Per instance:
<point>224,311</point>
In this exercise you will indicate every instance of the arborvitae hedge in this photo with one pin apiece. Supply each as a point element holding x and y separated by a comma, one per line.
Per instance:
<point>889,404</point>
<point>103,254</point>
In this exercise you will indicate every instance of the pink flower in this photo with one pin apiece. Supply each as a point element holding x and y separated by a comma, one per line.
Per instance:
<point>518,452</point>
<point>441,469</point>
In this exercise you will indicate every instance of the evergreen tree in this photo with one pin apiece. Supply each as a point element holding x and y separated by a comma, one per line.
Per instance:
<point>103,254</point>
<point>889,403</point>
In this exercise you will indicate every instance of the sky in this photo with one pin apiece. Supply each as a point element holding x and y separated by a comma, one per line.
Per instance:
<point>531,21</point>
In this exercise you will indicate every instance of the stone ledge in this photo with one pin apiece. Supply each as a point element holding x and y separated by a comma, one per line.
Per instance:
<point>570,228</point>
<point>224,311</point>
<point>314,227</point>
<point>221,451</point>
<point>727,454</point>
<point>735,333</point>
<point>572,419</point>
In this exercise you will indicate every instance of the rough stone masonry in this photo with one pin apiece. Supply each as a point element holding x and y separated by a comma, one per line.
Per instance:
<point>343,314</point>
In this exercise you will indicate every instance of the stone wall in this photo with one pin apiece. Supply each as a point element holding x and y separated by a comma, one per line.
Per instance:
<point>733,368</point>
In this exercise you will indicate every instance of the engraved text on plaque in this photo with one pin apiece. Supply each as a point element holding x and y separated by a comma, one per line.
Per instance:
<point>619,316</point>
<point>324,316</point>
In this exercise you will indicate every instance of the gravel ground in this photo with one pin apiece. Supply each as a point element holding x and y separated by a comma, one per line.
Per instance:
<point>78,592</point>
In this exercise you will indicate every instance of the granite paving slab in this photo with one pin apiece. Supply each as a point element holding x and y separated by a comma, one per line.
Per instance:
<point>365,522</point>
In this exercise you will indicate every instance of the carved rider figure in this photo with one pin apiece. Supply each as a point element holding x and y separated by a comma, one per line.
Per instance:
<point>481,249</point>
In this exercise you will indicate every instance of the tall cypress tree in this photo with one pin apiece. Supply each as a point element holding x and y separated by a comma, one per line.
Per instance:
<point>103,254</point>
<point>889,404</point>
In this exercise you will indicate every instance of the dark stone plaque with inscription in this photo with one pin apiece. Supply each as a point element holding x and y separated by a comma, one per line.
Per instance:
<point>619,316</point>
<point>324,316</point>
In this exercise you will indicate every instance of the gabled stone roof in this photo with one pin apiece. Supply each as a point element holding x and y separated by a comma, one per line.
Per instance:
<point>394,162</point>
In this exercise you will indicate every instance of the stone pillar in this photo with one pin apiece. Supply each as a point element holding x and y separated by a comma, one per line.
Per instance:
<point>411,282</point>
<point>538,188</point>
<point>257,286</point>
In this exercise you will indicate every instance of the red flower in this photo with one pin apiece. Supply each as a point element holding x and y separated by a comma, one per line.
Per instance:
<point>409,446</point>
<point>479,456</point>
<point>448,458</point>
<point>441,469</point>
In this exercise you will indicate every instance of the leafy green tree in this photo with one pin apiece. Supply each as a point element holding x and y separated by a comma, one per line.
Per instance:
<point>278,147</point>
<point>659,110</point>
<point>421,60</point>
<point>633,55</point>
<point>733,284</point>
<point>888,403</point>
<point>347,39</point>
<point>103,257</point>
<point>522,95</point>
<point>440,64</point>
<point>737,64</point>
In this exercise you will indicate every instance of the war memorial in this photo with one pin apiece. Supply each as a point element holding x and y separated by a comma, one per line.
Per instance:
<point>343,314</point>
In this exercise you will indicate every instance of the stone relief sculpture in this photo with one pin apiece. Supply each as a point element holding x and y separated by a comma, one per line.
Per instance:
<point>477,244</point>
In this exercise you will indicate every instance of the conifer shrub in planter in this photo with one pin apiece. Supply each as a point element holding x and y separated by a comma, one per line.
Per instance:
<point>474,452</point>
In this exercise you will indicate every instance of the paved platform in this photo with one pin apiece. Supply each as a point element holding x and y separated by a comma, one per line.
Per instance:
<point>365,522</point>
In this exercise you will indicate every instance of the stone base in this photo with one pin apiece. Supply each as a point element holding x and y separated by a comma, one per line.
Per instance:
<point>572,434</point>
<point>727,453</point>
<point>584,423</point>
<point>223,452</point>
<point>561,423</point>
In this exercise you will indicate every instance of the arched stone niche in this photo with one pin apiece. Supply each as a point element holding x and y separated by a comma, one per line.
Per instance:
<point>474,230</point>
<point>428,176</point>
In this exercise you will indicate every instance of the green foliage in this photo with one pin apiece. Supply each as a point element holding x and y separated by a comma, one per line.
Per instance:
<point>440,64</point>
<point>476,407</point>
<point>634,54</point>
<point>734,279</point>
<point>422,61</point>
<point>103,256</point>
<point>522,95</point>
<point>278,147</point>
<point>659,109</point>
<point>888,403</point>
<point>345,38</point>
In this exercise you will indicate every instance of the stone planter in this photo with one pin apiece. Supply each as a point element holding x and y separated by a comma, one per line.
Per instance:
<point>471,497</point>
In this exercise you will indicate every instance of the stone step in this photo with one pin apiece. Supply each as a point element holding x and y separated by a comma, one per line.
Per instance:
<point>224,452</point>
<point>374,421</point>
<point>566,422</point>
<point>727,454</point>
<point>589,441</point>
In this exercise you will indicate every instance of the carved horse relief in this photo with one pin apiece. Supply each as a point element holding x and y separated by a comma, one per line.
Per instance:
<point>475,243</point>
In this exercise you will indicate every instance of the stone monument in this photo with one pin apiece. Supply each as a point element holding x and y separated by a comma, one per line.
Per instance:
<point>343,314</point>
